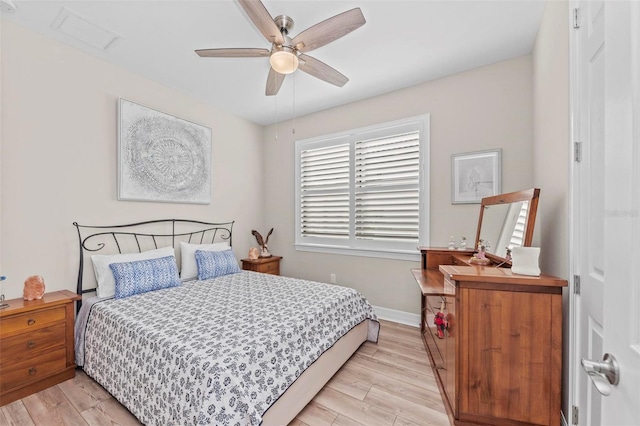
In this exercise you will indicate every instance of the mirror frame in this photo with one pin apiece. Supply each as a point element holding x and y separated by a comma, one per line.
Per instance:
<point>531,195</point>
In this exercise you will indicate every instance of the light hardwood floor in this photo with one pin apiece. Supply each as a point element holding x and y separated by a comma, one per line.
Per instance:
<point>386,384</point>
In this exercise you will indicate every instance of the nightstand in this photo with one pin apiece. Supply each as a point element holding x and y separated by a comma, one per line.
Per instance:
<point>266,265</point>
<point>37,344</point>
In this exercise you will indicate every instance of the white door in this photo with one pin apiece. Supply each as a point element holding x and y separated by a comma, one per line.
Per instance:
<point>622,203</point>
<point>607,194</point>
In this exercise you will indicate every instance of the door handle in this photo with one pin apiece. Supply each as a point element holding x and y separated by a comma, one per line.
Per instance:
<point>603,373</point>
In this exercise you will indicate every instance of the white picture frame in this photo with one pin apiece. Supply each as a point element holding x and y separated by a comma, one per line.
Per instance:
<point>475,175</point>
<point>162,158</point>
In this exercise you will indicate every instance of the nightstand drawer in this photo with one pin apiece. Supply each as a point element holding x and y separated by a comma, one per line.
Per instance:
<point>271,268</point>
<point>31,321</point>
<point>28,370</point>
<point>23,345</point>
<point>266,265</point>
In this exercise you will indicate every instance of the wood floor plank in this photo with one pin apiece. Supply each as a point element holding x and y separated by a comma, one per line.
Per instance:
<point>395,358</point>
<point>400,373</point>
<point>427,394</point>
<point>353,408</point>
<point>406,409</point>
<point>15,414</point>
<point>297,422</point>
<point>349,384</point>
<point>51,407</point>
<point>83,392</point>
<point>404,422</point>
<point>109,412</point>
<point>315,414</point>
<point>345,421</point>
<point>409,347</point>
<point>368,349</point>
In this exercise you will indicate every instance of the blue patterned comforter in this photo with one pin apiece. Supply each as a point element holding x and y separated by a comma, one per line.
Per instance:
<point>220,351</point>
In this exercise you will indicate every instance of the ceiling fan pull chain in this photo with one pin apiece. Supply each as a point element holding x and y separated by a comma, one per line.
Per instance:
<point>275,98</point>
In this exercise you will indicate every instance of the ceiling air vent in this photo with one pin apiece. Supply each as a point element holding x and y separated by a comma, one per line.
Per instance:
<point>81,29</point>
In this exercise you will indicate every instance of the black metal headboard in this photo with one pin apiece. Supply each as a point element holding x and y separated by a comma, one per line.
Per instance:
<point>143,236</point>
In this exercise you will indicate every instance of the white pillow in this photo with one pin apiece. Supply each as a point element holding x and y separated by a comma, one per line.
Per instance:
<point>189,269</point>
<point>104,275</point>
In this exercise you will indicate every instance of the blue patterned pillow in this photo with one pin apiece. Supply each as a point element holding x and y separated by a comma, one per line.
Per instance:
<point>213,264</point>
<point>145,275</point>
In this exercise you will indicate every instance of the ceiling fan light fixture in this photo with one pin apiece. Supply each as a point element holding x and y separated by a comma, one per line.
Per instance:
<point>283,60</point>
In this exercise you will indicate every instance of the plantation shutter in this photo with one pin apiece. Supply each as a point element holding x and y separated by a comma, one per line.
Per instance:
<point>387,190</point>
<point>324,184</point>
<point>517,238</point>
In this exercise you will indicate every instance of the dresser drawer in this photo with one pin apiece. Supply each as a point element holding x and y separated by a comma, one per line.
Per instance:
<point>29,321</point>
<point>25,344</point>
<point>32,369</point>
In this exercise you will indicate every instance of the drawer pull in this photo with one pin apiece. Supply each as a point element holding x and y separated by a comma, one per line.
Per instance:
<point>33,371</point>
<point>31,321</point>
<point>31,344</point>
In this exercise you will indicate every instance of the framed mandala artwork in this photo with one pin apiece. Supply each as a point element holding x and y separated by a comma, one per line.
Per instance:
<point>161,157</point>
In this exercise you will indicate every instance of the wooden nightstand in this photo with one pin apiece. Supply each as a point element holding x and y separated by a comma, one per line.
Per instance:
<point>37,344</point>
<point>266,265</point>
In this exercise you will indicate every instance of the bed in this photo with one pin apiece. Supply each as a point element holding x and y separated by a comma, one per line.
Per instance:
<point>242,348</point>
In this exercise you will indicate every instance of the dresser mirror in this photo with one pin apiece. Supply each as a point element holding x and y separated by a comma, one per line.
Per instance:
<point>507,221</point>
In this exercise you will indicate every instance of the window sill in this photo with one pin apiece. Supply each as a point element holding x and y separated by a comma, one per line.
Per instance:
<point>377,253</point>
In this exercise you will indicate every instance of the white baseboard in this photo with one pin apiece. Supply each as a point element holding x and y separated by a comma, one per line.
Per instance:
<point>401,317</point>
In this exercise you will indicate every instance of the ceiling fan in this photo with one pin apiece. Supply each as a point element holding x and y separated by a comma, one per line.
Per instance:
<point>288,54</point>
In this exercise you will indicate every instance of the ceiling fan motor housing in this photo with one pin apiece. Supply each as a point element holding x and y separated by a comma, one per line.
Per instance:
<point>284,23</point>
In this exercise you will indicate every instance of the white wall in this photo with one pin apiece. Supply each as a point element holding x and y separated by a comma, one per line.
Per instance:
<point>551,144</point>
<point>551,158</point>
<point>489,107</point>
<point>59,157</point>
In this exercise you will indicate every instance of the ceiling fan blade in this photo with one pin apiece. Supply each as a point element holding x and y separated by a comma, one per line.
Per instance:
<point>232,53</point>
<point>320,70</point>
<point>329,30</point>
<point>262,20</point>
<point>274,82</point>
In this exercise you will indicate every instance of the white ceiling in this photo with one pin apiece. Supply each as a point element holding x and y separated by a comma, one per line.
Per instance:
<point>402,44</point>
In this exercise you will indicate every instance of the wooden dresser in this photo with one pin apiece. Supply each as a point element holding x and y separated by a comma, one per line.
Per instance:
<point>498,355</point>
<point>266,265</point>
<point>36,344</point>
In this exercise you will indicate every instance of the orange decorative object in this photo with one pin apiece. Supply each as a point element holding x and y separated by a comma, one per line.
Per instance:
<point>33,288</point>
<point>253,253</point>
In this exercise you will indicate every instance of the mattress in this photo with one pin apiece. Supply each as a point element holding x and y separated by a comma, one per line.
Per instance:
<point>220,351</point>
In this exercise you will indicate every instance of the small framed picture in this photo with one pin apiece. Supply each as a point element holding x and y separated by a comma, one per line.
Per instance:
<point>475,175</point>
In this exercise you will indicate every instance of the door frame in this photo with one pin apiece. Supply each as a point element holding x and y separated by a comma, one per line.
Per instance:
<point>574,201</point>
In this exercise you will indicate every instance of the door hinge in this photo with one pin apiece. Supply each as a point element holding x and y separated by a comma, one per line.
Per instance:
<point>577,151</point>
<point>574,415</point>
<point>576,18</point>
<point>576,284</point>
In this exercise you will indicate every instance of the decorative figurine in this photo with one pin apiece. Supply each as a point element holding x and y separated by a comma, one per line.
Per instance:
<point>480,258</point>
<point>263,244</point>
<point>253,253</point>
<point>463,243</point>
<point>440,320</point>
<point>480,244</point>
<point>452,243</point>
<point>33,288</point>
<point>508,256</point>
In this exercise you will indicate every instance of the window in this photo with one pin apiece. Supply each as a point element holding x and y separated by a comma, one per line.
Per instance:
<point>365,191</point>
